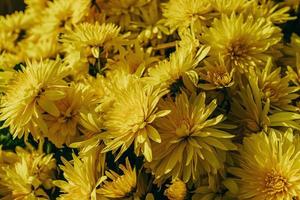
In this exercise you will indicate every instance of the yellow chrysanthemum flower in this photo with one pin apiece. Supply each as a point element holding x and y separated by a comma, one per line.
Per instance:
<point>64,128</point>
<point>43,48</point>
<point>246,43</point>
<point>87,42</point>
<point>277,88</point>
<point>26,177</point>
<point>58,15</point>
<point>138,103</point>
<point>216,73</point>
<point>229,6</point>
<point>31,92</point>
<point>269,167</point>
<point>176,191</point>
<point>185,59</point>
<point>83,175</point>
<point>122,12</point>
<point>250,110</point>
<point>119,186</point>
<point>180,14</point>
<point>190,142</point>
<point>275,12</point>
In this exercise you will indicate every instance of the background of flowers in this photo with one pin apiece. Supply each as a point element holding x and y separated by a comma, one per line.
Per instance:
<point>191,73</point>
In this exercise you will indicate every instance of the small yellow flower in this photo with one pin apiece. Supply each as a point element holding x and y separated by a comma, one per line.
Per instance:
<point>217,74</point>
<point>277,88</point>
<point>119,186</point>
<point>176,191</point>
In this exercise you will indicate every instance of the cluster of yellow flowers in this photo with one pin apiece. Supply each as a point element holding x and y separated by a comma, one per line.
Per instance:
<point>150,100</point>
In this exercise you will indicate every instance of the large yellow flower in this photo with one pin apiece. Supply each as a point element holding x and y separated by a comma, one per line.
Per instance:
<point>31,92</point>
<point>130,117</point>
<point>269,167</point>
<point>242,41</point>
<point>190,142</point>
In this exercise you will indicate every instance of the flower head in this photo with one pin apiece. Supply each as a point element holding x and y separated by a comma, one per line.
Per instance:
<point>190,142</point>
<point>269,166</point>
<point>64,128</point>
<point>180,14</point>
<point>31,92</point>
<point>138,102</point>
<point>185,59</point>
<point>217,74</point>
<point>246,43</point>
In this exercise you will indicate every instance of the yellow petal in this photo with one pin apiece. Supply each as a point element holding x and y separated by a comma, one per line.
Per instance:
<point>153,134</point>
<point>48,106</point>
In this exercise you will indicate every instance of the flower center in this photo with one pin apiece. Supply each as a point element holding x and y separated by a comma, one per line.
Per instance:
<point>219,78</point>
<point>275,183</point>
<point>237,50</point>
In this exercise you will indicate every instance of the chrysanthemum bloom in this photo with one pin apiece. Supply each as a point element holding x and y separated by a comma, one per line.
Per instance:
<point>269,167</point>
<point>185,59</point>
<point>13,31</point>
<point>82,176</point>
<point>138,103</point>
<point>275,12</point>
<point>27,176</point>
<point>190,142</point>
<point>119,186</point>
<point>229,6</point>
<point>64,128</point>
<point>253,112</point>
<point>86,43</point>
<point>180,14</point>
<point>58,15</point>
<point>277,88</point>
<point>176,191</point>
<point>122,12</point>
<point>216,73</point>
<point>30,93</point>
<point>246,43</point>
